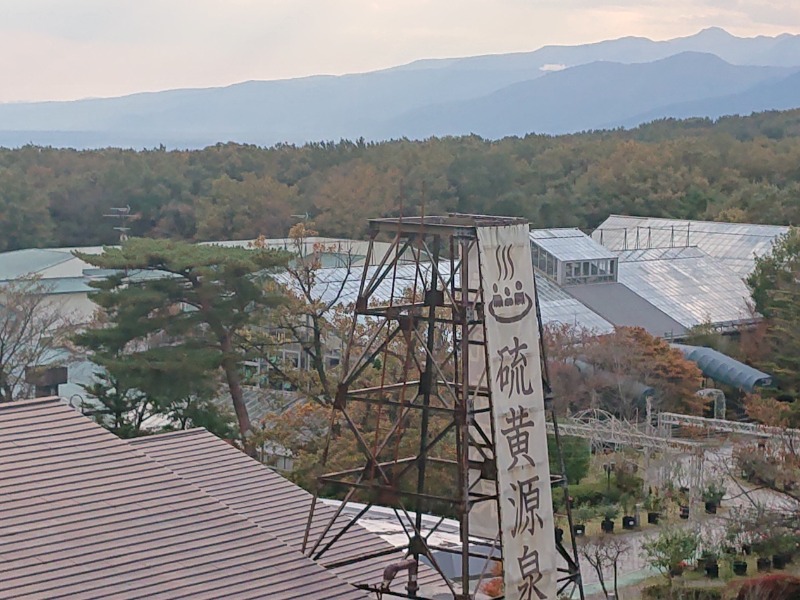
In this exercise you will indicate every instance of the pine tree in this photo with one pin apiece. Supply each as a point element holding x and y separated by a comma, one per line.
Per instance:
<point>175,312</point>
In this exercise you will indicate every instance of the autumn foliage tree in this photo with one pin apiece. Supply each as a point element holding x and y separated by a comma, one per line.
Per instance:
<point>312,319</point>
<point>737,168</point>
<point>616,371</point>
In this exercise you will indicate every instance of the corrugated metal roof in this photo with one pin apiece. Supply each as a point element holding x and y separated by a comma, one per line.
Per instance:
<point>724,369</point>
<point>67,285</point>
<point>20,263</point>
<point>277,505</point>
<point>87,515</point>
<point>570,244</point>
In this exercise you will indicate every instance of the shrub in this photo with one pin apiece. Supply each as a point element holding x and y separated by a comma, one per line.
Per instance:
<point>576,457</point>
<point>594,493</point>
<point>664,592</point>
<point>628,483</point>
<point>770,587</point>
<point>670,548</point>
<point>587,493</point>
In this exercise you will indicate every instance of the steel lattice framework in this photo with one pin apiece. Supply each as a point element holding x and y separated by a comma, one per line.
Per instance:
<point>666,420</point>
<point>601,428</point>
<point>419,424</point>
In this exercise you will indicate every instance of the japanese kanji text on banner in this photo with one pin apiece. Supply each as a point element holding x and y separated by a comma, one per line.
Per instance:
<point>514,373</point>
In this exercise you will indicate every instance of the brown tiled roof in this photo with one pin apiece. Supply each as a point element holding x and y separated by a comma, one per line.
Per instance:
<point>84,514</point>
<point>277,505</point>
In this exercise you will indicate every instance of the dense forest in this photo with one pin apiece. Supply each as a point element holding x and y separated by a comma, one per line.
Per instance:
<point>736,168</point>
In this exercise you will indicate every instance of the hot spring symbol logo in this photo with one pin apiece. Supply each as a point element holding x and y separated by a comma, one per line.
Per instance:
<point>512,303</point>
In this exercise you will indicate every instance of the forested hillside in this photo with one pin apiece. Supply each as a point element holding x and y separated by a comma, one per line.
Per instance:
<point>738,168</point>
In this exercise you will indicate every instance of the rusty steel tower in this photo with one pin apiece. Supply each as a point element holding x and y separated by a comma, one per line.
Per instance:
<point>424,376</point>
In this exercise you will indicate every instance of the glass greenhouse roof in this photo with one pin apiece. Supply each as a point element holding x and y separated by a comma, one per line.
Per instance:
<point>558,307</point>
<point>555,304</point>
<point>569,244</point>
<point>687,285</point>
<point>738,243</point>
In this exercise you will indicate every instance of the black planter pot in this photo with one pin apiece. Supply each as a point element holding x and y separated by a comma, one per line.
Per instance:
<point>778,561</point>
<point>628,522</point>
<point>579,529</point>
<point>676,572</point>
<point>684,512</point>
<point>712,568</point>
<point>763,564</point>
<point>711,508</point>
<point>607,525</point>
<point>653,517</point>
<point>739,567</point>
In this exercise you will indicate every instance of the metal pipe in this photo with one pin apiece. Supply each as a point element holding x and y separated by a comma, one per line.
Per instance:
<point>391,571</point>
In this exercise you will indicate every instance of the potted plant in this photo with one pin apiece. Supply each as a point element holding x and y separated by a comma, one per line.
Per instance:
<point>560,521</point>
<point>582,515</point>
<point>684,508</point>
<point>738,541</point>
<point>739,565</point>
<point>610,512</point>
<point>628,520</point>
<point>763,547</point>
<point>678,569</point>
<point>783,547</point>
<point>710,561</point>
<point>653,505</point>
<point>670,549</point>
<point>763,564</point>
<point>712,496</point>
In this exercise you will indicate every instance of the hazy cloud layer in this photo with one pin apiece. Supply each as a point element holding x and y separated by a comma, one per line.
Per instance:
<point>64,49</point>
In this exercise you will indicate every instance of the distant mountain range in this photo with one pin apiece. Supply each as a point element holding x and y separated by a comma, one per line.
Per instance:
<point>553,90</point>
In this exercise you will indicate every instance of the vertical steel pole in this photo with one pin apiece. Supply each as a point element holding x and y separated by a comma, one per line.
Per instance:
<point>463,417</point>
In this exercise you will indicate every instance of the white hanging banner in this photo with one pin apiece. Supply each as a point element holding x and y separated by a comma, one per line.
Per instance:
<point>515,379</point>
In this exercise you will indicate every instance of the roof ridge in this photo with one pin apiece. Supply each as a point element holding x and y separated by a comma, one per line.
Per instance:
<point>177,433</point>
<point>31,401</point>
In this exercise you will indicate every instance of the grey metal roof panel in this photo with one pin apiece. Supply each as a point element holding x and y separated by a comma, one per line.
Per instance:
<point>87,515</point>
<point>570,244</point>
<point>277,505</point>
<point>623,307</point>
<point>20,263</point>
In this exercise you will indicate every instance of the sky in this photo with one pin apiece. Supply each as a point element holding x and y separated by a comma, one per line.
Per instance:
<point>69,49</point>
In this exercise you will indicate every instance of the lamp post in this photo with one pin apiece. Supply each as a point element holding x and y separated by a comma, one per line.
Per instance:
<point>608,468</point>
